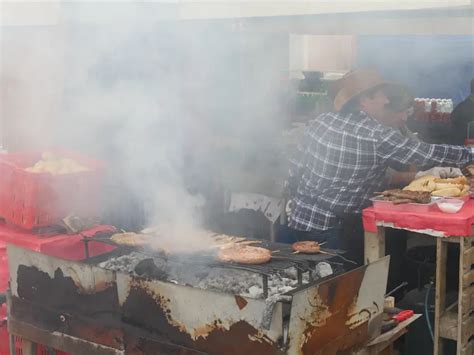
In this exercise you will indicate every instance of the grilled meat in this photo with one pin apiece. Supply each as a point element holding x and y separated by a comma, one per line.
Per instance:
<point>306,247</point>
<point>403,196</point>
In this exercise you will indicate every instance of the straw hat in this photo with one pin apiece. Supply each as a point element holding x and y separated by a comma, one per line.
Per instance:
<point>355,83</point>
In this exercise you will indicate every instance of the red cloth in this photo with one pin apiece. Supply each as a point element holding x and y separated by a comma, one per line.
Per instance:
<point>63,246</point>
<point>451,225</point>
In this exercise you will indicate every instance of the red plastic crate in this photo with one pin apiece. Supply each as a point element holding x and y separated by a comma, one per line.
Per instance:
<point>31,200</point>
<point>40,349</point>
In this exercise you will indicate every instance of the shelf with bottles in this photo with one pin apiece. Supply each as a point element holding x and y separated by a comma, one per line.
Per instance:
<point>433,110</point>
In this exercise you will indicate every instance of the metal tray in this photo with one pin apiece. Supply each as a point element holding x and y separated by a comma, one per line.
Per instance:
<point>382,205</point>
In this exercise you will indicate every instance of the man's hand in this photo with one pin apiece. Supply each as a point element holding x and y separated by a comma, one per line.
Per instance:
<point>443,173</point>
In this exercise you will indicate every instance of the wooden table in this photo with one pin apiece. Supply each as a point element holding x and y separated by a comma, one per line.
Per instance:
<point>456,321</point>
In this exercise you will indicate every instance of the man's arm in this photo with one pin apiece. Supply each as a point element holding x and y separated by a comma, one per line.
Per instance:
<point>392,146</point>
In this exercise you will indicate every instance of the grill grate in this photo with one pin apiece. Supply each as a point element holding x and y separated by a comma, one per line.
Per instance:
<point>283,258</point>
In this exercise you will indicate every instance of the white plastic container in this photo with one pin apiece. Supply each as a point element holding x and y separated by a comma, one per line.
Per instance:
<point>450,205</point>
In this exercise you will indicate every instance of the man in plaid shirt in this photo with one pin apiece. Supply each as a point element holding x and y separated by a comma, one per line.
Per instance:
<point>343,157</point>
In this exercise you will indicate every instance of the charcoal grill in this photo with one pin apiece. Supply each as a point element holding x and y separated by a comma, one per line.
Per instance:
<point>86,309</point>
<point>283,258</point>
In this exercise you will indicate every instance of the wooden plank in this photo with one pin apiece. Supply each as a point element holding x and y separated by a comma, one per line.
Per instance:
<point>393,334</point>
<point>467,329</point>
<point>449,326</point>
<point>468,349</point>
<point>465,262</point>
<point>467,299</point>
<point>468,256</point>
<point>468,277</point>
<point>440,305</point>
<point>374,245</point>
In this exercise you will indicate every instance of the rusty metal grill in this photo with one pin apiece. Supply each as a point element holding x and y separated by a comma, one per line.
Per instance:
<point>82,308</point>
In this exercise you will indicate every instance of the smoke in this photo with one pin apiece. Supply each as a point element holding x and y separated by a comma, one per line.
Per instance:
<point>156,100</point>
<point>125,98</point>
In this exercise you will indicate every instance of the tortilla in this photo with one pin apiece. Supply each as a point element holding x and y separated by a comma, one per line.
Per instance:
<point>460,180</point>
<point>306,247</point>
<point>449,192</point>
<point>131,239</point>
<point>245,254</point>
<point>425,183</point>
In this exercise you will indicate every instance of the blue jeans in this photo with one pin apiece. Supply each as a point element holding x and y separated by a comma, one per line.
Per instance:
<point>332,237</point>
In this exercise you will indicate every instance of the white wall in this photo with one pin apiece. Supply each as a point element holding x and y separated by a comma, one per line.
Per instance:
<point>322,53</point>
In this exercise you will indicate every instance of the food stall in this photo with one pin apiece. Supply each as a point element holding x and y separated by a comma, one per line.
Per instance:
<point>140,300</point>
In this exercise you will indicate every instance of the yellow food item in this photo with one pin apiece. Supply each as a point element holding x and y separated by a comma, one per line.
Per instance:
<point>452,187</point>
<point>465,190</point>
<point>56,166</point>
<point>462,180</point>
<point>441,186</point>
<point>424,183</point>
<point>449,192</point>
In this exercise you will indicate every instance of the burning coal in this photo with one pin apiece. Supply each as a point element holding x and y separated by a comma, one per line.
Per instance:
<point>237,282</point>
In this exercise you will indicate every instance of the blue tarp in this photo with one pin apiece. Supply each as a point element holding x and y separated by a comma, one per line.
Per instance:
<point>433,66</point>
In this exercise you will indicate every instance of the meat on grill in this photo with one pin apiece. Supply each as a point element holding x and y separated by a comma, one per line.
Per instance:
<point>245,254</point>
<point>306,247</point>
<point>398,196</point>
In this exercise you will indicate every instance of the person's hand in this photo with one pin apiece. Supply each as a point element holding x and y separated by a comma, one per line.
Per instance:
<point>290,205</point>
<point>443,173</point>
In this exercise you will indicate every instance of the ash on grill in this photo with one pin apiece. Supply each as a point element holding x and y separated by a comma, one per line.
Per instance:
<point>239,282</point>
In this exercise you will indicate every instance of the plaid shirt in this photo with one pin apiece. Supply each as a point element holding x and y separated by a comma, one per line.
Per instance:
<point>341,162</point>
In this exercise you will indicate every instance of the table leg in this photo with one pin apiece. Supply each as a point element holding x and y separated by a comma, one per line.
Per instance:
<point>440,305</point>
<point>374,245</point>
<point>465,298</point>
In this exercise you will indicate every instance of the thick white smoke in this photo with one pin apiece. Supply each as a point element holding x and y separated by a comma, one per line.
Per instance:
<point>156,100</point>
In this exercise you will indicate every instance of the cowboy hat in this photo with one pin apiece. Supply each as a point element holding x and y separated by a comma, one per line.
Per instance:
<point>354,83</point>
